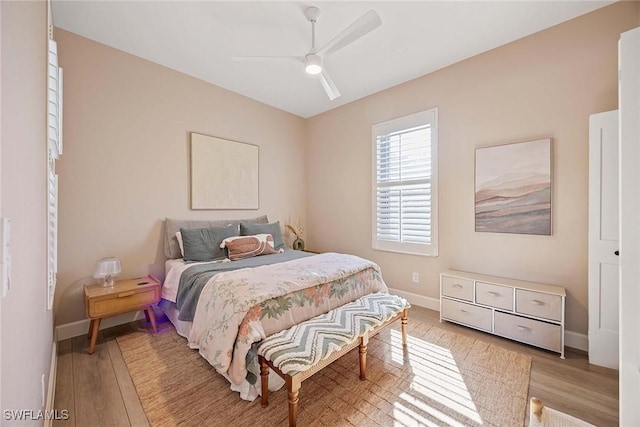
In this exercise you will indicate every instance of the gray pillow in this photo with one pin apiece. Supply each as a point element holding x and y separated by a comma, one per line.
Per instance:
<point>171,248</point>
<point>272,228</point>
<point>203,244</point>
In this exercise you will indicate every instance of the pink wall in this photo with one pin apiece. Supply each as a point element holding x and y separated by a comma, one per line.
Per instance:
<point>126,139</point>
<point>126,160</point>
<point>542,86</point>
<point>27,325</point>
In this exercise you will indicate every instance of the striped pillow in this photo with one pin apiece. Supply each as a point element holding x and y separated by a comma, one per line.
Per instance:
<point>241,247</point>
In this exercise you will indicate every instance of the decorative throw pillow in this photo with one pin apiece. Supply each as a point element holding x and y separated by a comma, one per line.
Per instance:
<point>171,249</point>
<point>271,228</point>
<point>203,244</point>
<point>249,246</point>
<point>180,244</point>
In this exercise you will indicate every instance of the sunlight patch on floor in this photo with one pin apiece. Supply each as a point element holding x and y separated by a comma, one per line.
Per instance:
<point>437,382</point>
<point>404,416</point>
<point>435,413</point>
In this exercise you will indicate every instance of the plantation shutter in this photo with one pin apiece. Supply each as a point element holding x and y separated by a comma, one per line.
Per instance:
<point>404,202</point>
<point>54,150</point>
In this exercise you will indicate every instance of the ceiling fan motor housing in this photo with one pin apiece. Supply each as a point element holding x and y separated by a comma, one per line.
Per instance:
<point>312,13</point>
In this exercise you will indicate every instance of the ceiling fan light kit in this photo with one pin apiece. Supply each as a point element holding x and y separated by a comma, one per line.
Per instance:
<point>313,64</point>
<point>313,59</point>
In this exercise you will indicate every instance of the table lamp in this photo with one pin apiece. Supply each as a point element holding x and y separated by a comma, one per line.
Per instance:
<point>107,269</point>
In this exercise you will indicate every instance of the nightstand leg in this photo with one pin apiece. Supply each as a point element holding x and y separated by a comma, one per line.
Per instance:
<point>152,317</point>
<point>90,328</point>
<point>94,334</point>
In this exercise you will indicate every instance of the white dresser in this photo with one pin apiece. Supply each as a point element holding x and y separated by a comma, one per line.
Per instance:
<point>532,313</point>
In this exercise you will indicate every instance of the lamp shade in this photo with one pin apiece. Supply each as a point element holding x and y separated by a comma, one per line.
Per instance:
<point>107,269</point>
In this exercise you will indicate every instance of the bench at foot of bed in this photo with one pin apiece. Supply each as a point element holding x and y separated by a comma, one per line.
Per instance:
<point>304,349</point>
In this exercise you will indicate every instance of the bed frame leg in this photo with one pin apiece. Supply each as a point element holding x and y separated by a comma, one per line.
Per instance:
<point>264,381</point>
<point>403,322</point>
<point>293,388</point>
<point>363,357</point>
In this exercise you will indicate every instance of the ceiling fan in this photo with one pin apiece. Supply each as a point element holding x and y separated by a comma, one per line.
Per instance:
<point>313,60</point>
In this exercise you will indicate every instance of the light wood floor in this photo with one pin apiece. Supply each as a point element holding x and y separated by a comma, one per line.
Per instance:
<point>97,389</point>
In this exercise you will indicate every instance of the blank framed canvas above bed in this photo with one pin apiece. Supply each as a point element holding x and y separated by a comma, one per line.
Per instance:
<point>224,173</point>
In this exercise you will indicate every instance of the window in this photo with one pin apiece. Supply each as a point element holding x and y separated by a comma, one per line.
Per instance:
<point>405,196</point>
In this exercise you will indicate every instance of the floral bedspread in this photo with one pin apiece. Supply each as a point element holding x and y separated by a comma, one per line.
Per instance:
<point>239,308</point>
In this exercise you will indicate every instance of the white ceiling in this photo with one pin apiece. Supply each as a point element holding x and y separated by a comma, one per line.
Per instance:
<point>416,38</point>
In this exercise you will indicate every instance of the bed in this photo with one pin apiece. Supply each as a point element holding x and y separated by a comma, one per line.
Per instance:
<point>225,307</point>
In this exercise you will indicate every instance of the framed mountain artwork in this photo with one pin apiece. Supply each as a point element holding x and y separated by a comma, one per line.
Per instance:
<point>513,188</point>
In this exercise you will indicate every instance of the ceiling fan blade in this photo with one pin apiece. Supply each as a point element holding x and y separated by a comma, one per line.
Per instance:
<point>364,25</point>
<point>329,86</point>
<point>268,58</point>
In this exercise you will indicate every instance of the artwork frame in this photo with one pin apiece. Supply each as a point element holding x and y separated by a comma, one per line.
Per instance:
<point>224,173</point>
<point>513,188</point>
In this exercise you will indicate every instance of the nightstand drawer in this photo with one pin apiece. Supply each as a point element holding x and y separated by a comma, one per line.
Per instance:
<point>123,302</point>
<point>494,295</point>
<point>457,288</point>
<point>471,315</point>
<point>529,331</point>
<point>539,304</point>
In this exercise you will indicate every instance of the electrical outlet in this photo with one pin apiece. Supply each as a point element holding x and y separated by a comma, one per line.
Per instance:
<point>415,278</point>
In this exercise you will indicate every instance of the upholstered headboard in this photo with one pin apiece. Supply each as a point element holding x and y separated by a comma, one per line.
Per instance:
<point>171,248</point>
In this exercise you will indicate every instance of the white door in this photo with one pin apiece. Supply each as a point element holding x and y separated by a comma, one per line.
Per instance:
<point>604,277</point>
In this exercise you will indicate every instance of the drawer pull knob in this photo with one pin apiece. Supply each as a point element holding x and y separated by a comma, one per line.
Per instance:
<point>536,302</point>
<point>495,294</point>
<point>464,311</point>
<point>126,294</point>
<point>457,285</point>
<point>523,328</point>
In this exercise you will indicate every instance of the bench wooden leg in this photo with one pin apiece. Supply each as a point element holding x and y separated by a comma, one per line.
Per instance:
<point>264,381</point>
<point>363,356</point>
<point>403,323</point>
<point>293,387</point>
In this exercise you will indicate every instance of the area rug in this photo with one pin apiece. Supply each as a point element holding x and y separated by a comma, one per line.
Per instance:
<point>443,378</point>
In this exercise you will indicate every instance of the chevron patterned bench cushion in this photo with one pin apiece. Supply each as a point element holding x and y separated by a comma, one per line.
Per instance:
<point>302,346</point>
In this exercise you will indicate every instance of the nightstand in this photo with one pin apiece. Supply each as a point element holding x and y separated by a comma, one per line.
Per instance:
<point>123,297</point>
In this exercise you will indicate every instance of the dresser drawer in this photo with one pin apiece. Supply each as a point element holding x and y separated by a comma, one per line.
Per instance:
<point>539,304</point>
<point>471,315</point>
<point>494,295</point>
<point>529,331</point>
<point>457,288</point>
<point>123,302</point>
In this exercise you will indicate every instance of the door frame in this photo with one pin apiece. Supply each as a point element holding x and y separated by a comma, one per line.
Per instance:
<point>629,106</point>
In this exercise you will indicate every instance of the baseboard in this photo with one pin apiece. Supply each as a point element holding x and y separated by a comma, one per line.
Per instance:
<point>81,327</point>
<point>576,340</point>
<point>51,387</point>
<point>421,300</point>
<point>571,339</point>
